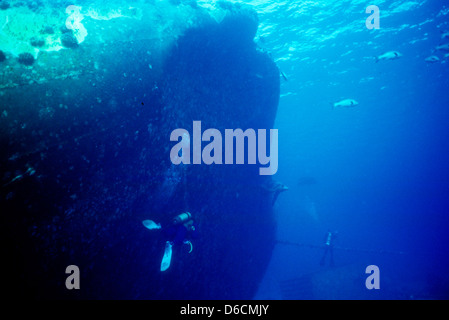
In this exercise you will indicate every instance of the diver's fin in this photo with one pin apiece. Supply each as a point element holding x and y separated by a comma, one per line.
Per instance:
<point>149,224</point>
<point>190,244</point>
<point>166,259</point>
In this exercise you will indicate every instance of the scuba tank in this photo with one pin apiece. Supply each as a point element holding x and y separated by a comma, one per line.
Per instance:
<point>182,218</point>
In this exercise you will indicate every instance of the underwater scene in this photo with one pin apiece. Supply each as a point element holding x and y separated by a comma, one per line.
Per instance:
<point>224,150</point>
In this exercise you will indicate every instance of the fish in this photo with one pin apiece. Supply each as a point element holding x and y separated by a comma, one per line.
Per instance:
<point>347,103</point>
<point>445,35</point>
<point>443,47</point>
<point>283,75</point>
<point>390,55</point>
<point>275,188</point>
<point>432,59</point>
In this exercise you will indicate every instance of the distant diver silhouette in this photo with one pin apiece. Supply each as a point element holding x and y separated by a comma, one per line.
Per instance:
<point>329,248</point>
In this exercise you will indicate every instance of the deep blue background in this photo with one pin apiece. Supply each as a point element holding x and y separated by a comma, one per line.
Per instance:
<point>381,169</point>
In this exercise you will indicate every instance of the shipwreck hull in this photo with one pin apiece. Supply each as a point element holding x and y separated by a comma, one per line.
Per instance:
<point>85,140</point>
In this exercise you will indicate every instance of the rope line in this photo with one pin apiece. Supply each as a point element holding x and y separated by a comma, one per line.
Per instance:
<point>312,246</point>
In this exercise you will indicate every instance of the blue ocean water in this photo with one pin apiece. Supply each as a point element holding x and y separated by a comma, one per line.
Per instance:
<point>380,170</point>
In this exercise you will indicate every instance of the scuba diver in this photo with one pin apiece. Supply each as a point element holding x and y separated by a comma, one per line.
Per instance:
<point>329,247</point>
<point>177,233</point>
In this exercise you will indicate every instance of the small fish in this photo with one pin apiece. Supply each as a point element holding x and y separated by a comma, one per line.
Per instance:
<point>274,187</point>
<point>445,35</point>
<point>347,103</point>
<point>30,171</point>
<point>283,75</point>
<point>443,47</point>
<point>390,55</point>
<point>432,59</point>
